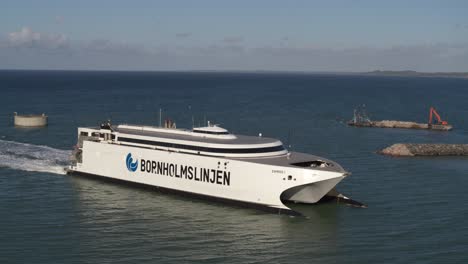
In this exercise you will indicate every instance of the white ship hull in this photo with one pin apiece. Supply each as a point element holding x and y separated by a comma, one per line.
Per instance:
<point>235,180</point>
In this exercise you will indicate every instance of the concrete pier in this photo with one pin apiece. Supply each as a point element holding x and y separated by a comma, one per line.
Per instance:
<point>410,149</point>
<point>400,124</point>
<point>30,120</point>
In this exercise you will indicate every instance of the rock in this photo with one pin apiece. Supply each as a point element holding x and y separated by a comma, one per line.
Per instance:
<point>400,124</point>
<point>410,149</point>
<point>397,150</point>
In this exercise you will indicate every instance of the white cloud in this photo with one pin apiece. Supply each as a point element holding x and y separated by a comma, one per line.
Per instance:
<point>29,49</point>
<point>26,37</point>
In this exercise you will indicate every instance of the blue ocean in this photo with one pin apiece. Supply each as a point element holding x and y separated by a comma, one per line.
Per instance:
<point>417,211</point>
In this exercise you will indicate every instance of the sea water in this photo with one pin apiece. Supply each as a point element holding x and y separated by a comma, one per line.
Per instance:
<point>416,213</point>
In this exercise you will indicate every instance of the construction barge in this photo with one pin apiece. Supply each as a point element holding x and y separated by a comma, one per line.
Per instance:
<point>361,119</point>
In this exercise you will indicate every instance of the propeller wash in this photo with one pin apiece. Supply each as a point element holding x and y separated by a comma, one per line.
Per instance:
<point>28,157</point>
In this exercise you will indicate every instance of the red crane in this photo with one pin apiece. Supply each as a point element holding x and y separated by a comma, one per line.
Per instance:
<point>439,120</point>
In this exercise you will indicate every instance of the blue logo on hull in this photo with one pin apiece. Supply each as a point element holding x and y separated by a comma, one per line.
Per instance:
<point>131,166</point>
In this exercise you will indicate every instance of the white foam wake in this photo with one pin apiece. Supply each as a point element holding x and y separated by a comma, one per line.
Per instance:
<point>28,157</point>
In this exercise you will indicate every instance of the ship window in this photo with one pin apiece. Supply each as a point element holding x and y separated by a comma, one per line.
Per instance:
<point>211,132</point>
<point>84,134</point>
<point>204,149</point>
<point>312,164</point>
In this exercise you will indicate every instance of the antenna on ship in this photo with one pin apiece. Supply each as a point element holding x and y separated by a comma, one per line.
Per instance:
<point>193,119</point>
<point>289,138</point>
<point>160,117</point>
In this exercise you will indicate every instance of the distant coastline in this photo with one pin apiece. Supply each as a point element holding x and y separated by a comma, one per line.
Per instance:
<point>419,74</point>
<point>406,73</point>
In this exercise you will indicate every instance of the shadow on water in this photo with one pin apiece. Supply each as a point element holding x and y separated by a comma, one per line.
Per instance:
<point>112,215</point>
<point>323,209</point>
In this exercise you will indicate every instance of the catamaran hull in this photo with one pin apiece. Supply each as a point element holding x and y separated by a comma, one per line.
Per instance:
<point>310,193</point>
<point>233,181</point>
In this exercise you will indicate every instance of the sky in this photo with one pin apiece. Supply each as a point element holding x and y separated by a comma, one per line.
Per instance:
<point>241,35</point>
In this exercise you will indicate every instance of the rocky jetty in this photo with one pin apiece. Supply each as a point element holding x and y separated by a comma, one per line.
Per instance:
<point>410,149</point>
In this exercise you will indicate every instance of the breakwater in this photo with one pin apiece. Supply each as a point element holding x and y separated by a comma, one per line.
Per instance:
<point>411,149</point>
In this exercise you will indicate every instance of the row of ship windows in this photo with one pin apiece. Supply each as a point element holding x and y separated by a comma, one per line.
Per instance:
<point>204,149</point>
<point>210,132</point>
<point>95,134</point>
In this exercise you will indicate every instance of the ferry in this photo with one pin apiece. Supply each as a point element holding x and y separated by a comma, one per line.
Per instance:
<point>208,162</point>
